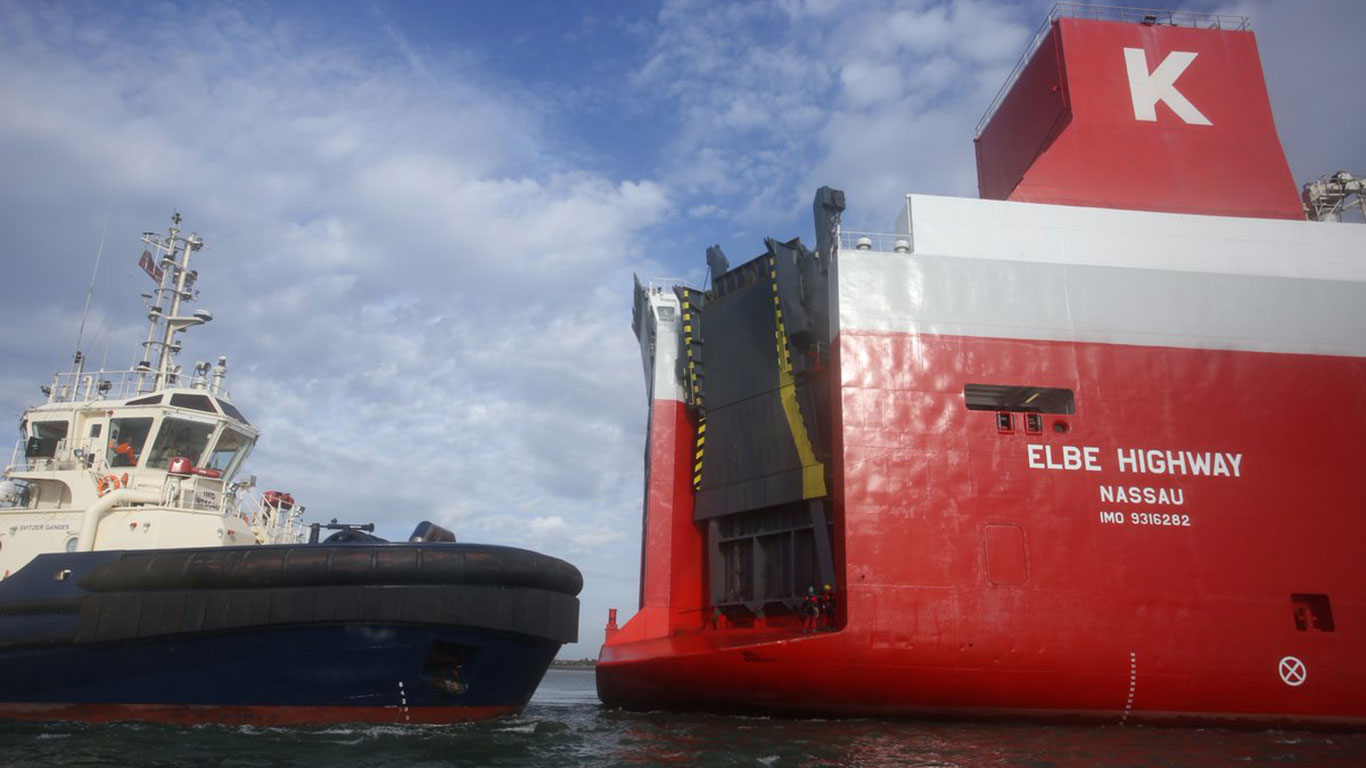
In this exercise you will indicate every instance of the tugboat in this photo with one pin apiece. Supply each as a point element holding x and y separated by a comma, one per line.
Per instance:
<point>142,579</point>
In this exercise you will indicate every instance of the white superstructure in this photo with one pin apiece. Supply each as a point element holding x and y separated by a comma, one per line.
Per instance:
<point>996,269</point>
<point>145,458</point>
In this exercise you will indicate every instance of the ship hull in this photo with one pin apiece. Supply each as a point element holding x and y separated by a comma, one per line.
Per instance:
<point>1175,541</point>
<point>300,634</point>
<point>1178,608</point>
<point>844,676</point>
<point>1182,612</point>
<point>349,673</point>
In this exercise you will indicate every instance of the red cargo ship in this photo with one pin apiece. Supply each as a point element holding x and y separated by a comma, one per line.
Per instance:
<point>1082,449</point>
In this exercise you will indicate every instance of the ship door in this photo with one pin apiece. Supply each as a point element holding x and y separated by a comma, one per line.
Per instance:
<point>93,443</point>
<point>766,559</point>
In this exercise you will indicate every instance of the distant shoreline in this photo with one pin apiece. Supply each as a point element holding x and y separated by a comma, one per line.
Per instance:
<point>574,664</point>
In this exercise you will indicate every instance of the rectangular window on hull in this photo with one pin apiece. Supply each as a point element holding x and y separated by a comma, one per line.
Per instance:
<point>1020,398</point>
<point>1005,422</point>
<point>1313,613</point>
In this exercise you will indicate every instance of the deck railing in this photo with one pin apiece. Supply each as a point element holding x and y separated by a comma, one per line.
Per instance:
<point>86,386</point>
<point>1149,16</point>
<point>877,241</point>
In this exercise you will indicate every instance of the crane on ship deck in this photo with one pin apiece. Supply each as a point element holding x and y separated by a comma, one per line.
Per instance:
<point>1328,196</point>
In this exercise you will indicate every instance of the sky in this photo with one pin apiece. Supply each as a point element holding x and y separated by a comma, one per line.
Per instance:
<point>422,218</point>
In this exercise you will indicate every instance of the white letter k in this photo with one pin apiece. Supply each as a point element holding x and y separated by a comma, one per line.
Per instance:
<point>1148,89</point>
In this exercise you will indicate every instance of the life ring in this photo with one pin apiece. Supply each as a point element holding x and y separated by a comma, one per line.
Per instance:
<point>107,483</point>
<point>111,483</point>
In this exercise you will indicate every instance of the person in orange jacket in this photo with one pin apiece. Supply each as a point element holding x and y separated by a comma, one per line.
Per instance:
<point>123,454</point>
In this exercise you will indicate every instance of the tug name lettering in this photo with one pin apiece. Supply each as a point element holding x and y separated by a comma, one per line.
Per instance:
<point>1144,461</point>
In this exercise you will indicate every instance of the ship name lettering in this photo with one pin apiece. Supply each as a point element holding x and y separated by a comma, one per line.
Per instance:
<point>1133,494</point>
<point>1069,457</point>
<point>1198,463</point>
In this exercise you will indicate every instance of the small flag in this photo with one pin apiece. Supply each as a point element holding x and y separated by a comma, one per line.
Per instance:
<point>149,266</point>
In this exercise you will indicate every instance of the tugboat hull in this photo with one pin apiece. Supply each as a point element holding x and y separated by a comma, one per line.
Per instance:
<point>308,634</point>
<point>343,673</point>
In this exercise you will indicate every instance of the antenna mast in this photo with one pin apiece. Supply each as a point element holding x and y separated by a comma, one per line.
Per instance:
<point>78,360</point>
<point>175,282</point>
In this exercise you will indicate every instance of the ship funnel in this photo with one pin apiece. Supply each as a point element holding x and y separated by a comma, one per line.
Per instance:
<point>1116,111</point>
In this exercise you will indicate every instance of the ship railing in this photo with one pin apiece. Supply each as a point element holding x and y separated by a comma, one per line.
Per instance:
<point>15,463</point>
<point>666,284</point>
<point>875,241</point>
<point>60,460</point>
<point>86,386</point>
<point>277,526</point>
<point>85,453</point>
<point>1137,15</point>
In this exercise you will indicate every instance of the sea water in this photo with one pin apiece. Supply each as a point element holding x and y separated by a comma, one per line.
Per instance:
<point>565,726</point>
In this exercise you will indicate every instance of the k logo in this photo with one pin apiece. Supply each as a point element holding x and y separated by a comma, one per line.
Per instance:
<point>1147,89</point>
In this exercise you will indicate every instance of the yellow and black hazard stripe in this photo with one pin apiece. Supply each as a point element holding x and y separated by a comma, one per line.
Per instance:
<point>697,452</point>
<point>693,383</point>
<point>813,471</point>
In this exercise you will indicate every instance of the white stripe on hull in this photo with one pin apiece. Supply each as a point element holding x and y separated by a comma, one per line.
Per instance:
<point>1016,270</point>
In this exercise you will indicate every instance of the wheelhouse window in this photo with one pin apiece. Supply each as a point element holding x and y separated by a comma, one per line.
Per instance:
<point>196,402</point>
<point>127,438</point>
<point>229,452</point>
<point>232,411</point>
<point>179,437</point>
<point>43,439</point>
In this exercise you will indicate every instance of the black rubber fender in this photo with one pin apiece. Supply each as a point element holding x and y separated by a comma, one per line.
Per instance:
<point>309,565</point>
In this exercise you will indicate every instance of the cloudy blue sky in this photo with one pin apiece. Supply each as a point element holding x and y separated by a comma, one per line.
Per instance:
<point>423,217</point>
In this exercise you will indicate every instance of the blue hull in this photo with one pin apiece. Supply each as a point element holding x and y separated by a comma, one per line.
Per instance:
<point>82,639</point>
<point>346,673</point>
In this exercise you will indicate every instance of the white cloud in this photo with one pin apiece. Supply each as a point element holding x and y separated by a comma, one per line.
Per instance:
<point>864,83</point>
<point>774,101</point>
<point>1315,95</point>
